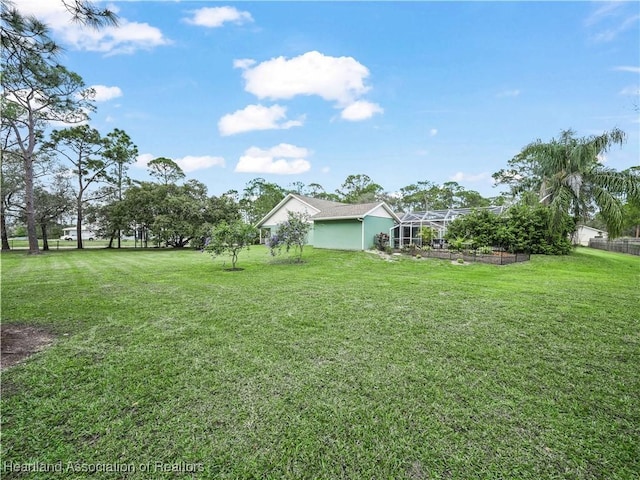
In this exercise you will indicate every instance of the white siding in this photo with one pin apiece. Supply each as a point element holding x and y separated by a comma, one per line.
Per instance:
<point>380,211</point>
<point>584,233</point>
<point>292,205</point>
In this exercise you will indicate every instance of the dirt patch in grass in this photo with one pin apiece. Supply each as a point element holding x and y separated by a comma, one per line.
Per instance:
<point>19,341</point>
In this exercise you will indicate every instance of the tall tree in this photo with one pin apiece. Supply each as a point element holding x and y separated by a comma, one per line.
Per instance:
<point>173,215</point>
<point>259,197</point>
<point>414,197</point>
<point>359,189</point>
<point>35,91</point>
<point>11,184</point>
<point>314,190</point>
<point>119,152</point>
<point>82,147</point>
<point>165,170</point>
<point>86,13</point>
<point>568,177</point>
<point>50,205</point>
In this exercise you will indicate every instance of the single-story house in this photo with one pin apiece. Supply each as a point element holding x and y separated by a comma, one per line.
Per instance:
<point>71,233</point>
<point>335,225</point>
<point>584,233</point>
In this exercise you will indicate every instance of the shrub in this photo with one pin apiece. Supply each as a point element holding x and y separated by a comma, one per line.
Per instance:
<point>292,233</point>
<point>381,241</point>
<point>522,229</point>
<point>458,244</point>
<point>231,238</point>
<point>426,235</point>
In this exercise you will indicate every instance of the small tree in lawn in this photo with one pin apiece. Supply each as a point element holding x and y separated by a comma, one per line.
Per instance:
<point>291,233</point>
<point>230,239</point>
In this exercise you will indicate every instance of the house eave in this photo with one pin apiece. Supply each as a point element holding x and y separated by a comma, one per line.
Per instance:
<point>279,205</point>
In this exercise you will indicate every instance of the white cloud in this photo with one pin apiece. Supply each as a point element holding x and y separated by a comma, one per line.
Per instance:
<point>611,20</point>
<point>243,63</point>
<point>104,93</point>
<point>626,68</point>
<point>607,10</point>
<point>338,79</point>
<point>256,117</point>
<point>214,17</point>
<point>360,110</point>
<point>188,163</point>
<point>283,159</point>
<point>433,132</point>
<point>470,177</point>
<point>143,159</point>
<point>630,90</point>
<point>191,163</point>
<point>127,37</point>
<point>508,93</point>
<point>612,33</point>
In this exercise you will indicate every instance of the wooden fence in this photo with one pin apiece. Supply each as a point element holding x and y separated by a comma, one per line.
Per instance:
<point>630,246</point>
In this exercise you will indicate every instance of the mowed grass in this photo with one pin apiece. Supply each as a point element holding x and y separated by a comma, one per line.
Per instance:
<point>346,366</point>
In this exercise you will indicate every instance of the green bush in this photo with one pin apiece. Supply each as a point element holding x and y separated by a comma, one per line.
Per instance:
<point>381,241</point>
<point>521,229</point>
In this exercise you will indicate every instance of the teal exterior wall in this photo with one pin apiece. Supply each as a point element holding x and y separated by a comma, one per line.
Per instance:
<point>338,234</point>
<point>274,228</point>
<point>375,225</point>
<point>348,234</point>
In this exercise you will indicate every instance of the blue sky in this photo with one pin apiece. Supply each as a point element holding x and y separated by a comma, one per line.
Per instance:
<point>315,91</point>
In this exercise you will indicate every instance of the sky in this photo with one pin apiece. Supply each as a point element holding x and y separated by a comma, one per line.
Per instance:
<point>313,92</point>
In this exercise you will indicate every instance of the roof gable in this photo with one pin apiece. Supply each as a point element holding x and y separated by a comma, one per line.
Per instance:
<point>296,203</point>
<point>356,210</point>
<point>318,203</point>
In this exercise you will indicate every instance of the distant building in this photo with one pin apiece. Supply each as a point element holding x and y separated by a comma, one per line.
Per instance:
<point>71,233</point>
<point>584,234</point>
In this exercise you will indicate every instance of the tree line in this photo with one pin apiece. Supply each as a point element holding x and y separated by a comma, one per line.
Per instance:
<point>48,174</point>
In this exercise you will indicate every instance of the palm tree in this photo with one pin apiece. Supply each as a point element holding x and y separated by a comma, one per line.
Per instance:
<point>570,178</point>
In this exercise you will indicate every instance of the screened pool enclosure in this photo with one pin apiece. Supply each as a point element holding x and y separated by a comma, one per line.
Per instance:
<point>411,223</point>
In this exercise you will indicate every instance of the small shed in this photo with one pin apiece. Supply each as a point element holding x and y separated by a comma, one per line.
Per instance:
<point>584,233</point>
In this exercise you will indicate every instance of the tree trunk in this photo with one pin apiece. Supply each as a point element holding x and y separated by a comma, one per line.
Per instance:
<point>30,213</point>
<point>637,231</point>
<point>111,240</point>
<point>3,229</point>
<point>79,222</point>
<point>45,239</point>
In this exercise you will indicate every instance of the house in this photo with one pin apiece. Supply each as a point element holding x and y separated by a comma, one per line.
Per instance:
<point>292,203</point>
<point>335,225</point>
<point>71,233</point>
<point>583,234</point>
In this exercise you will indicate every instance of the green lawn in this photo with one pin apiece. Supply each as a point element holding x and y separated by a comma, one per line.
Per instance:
<point>347,366</point>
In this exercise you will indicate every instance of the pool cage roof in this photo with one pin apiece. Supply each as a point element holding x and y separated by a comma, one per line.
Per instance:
<point>442,216</point>
<point>436,219</point>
